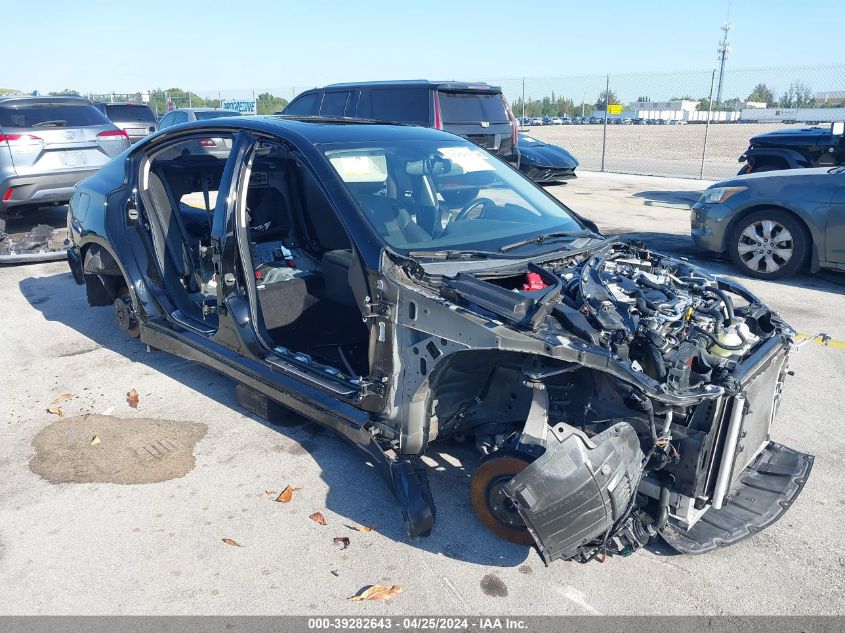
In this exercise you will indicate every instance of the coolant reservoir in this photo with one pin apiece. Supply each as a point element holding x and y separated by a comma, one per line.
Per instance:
<point>730,336</point>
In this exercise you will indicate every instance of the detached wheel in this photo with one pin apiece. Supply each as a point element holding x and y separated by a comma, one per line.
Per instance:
<point>124,315</point>
<point>769,244</point>
<point>491,505</point>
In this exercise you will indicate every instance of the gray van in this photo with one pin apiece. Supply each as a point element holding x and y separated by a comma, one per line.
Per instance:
<point>136,119</point>
<point>476,111</point>
<point>47,145</point>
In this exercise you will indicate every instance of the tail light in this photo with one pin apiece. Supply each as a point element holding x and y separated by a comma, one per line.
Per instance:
<point>20,139</point>
<point>113,135</point>
<point>8,195</point>
<point>438,118</point>
<point>207,142</point>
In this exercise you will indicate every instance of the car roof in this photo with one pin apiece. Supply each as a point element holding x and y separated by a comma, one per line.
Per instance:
<point>121,103</point>
<point>327,130</point>
<point>421,83</point>
<point>50,100</point>
<point>200,110</point>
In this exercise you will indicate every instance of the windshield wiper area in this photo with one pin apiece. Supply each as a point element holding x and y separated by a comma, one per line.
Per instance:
<point>452,254</point>
<point>56,123</point>
<point>539,239</point>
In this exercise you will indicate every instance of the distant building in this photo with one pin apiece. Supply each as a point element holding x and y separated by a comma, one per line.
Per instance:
<point>831,98</point>
<point>756,104</point>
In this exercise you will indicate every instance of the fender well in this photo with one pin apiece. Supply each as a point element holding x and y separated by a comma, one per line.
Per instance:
<point>102,275</point>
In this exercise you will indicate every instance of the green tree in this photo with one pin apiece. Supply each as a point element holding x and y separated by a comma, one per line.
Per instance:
<point>762,94</point>
<point>64,92</point>
<point>9,91</point>
<point>606,96</point>
<point>267,103</point>
<point>798,95</point>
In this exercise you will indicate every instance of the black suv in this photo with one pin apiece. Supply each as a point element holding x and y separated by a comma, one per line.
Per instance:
<point>476,111</point>
<point>791,149</point>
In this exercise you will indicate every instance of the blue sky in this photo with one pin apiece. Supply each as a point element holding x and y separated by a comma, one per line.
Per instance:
<point>219,45</point>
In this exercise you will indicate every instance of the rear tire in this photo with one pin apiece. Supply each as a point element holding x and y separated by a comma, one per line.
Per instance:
<point>769,244</point>
<point>757,169</point>
<point>124,315</point>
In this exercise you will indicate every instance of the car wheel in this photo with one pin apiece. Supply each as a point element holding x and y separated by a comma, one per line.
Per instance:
<point>125,315</point>
<point>491,505</point>
<point>769,244</point>
<point>757,169</point>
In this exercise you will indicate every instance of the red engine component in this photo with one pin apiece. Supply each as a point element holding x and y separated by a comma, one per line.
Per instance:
<point>533,281</point>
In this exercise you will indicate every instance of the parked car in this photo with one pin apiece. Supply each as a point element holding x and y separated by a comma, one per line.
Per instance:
<point>136,119</point>
<point>556,120</point>
<point>638,121</point>
<point>791,149</point>
<point>537,120</point>
<point>186,115</point>
<point>333,276</point>
<point>543,162</point>
<point>202,146</point>
<point>594,120</point>
<point>476,111</point>
<point>47,145</point>
<point>565,120</point>
<point>773,224</point>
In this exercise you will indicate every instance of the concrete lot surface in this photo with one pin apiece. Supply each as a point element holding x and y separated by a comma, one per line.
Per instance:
<point>157,548</point>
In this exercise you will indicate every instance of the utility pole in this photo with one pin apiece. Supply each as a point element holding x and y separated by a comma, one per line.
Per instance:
<point>724,49</point>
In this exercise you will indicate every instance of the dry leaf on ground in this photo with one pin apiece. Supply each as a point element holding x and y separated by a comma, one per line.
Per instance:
<point>376,592</point>
<point>132,398</point>
<point>56,411</point>
<point>287,494</point>
<point>360,528</point>
<point>342,540</point>
<point>95,440</point>
<point>232,542</point>
<point>318,517</point>
<point>270,493</point>
<point>61,398</point>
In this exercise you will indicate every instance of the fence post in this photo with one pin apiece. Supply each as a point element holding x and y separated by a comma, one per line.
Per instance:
<point>606,108</point>
<point>707,126</point>
<point>523,98</point>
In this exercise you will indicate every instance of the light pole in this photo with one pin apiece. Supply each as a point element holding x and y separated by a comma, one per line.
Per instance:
<point>724,49</point>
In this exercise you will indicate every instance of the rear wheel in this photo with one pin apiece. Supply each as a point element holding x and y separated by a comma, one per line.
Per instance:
<point>769,244</point>
<point>125,315</point>
<point>770,166</point>
<point>489,501</point>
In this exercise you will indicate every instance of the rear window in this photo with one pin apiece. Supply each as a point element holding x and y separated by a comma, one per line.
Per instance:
<point>51,115</point>
<point>403,105</point>
<point>334,103</point>
<point>468,107</point>
<point>215,114</point>
<point>130,113</point>
<point>306,104</point>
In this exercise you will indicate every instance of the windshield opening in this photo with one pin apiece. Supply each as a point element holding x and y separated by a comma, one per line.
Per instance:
<point>444,195</point>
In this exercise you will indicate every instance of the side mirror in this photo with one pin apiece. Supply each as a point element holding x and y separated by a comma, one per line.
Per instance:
<point>837,128</point>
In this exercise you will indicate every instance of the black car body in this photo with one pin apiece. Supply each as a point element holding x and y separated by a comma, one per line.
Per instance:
<point>793,149</point>
<point>543,162</point>
<point>773,224</point>
<point>476,111</point>
<point>320,267</point>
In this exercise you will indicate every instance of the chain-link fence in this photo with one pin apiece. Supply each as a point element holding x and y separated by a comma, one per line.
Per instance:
<point>692,124</point>
<point>684,124</point>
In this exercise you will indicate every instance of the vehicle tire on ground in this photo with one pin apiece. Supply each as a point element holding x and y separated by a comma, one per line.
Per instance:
<point>124,315</point>
<point>769,244</point>
<point>491,505</point>
<point>769,166</point>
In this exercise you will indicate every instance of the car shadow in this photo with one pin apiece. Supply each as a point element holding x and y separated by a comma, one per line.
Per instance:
<point>356,491</point>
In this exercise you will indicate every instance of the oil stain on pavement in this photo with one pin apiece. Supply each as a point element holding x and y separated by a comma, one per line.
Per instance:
<point>108,449</point>
<point>493,586</point>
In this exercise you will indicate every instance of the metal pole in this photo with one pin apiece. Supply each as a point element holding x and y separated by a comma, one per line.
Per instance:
<point>606,108</point>
<point>707,127</point>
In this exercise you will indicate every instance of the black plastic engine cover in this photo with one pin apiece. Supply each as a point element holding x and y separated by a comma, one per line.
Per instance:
<point>578,489</point>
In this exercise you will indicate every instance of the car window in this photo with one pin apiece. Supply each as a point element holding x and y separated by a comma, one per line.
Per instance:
<point>444,195</point>
<point>180,117</point>
<point>303,105</point>
<point>166,120</point>
<point>215,114</point>
<point>405,105</point>
<point>30,115</point>
<point>334,103</point>
<point>472,107</point>
<point>128,112</point>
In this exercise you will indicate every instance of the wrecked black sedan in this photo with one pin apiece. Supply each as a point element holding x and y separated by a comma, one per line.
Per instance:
<point>331,268</point>
<point>543,162</point>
